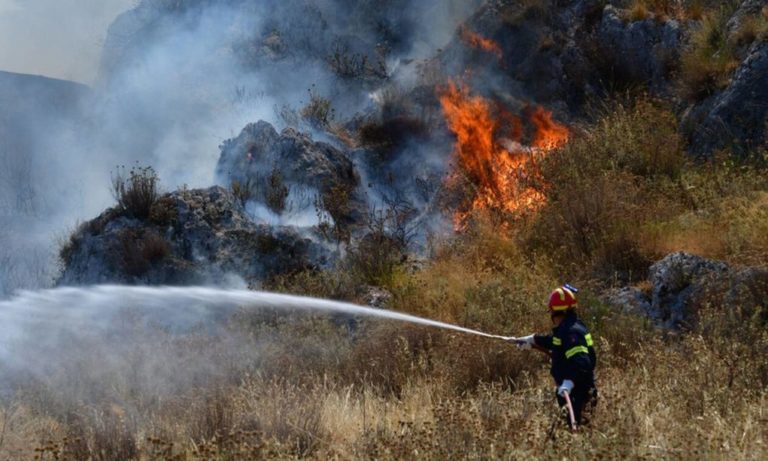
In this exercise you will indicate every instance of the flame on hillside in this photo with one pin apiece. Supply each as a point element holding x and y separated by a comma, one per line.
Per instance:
<point>490,152</point>
<point>479,42</point>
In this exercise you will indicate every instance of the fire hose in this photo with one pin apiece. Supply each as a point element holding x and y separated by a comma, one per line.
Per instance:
<point>569,406</point>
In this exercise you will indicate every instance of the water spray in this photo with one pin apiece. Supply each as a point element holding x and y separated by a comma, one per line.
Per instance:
<point>181,306</point>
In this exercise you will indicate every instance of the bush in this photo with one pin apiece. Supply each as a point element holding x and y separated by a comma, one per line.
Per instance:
<point>709,63</point>
<point>318,111</point>
<point>137,251</point>
<point>377,257</point>
<point>334,211</point>
<point>602,185</point>
<point>242,190</point>
<point>136,192</point>
<point>275,191</point>
<point>164,212</point>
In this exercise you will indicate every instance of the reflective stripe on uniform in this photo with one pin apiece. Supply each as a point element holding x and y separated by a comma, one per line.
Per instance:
<point>575,350</point>
<point>557,341</point>
<point>588,337</point>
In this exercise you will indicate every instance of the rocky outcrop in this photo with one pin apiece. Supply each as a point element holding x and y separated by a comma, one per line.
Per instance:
<point>682,283</point>
<point>277,165</point>
<point>737,116</point>
<point>643,51</point>
<point>191,236</point>
<point>677,280</point>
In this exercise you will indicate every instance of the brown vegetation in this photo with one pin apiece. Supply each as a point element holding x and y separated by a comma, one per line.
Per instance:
<point>619,195</point>
<point>137,251</point>
<point>707,66</point>
<point>135,192</point>
<point>345,389</point>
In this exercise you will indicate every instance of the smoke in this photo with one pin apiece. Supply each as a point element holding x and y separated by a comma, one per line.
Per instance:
<point>56,38</point>
<point>175,80</point>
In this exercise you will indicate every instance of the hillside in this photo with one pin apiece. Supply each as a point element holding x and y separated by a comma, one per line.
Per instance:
<point>456,164</point>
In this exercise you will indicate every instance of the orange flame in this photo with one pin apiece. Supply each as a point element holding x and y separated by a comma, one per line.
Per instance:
<point>501,168</point>
<point>479,42</point>
<point>549,135</point>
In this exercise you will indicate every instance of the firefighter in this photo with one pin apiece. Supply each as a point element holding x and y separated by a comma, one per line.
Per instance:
<point>571,348</point>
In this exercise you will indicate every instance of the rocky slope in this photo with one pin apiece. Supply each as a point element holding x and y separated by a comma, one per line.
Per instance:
<point>565,55</point>
<point>197,236</point>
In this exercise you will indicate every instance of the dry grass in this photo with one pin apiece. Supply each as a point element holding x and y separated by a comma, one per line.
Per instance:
<point>340,388</point>
<point>709,63</point>
<point>137,191</point>
<point>275,385</point>
<point>639,11</point>
<point>699,396</point>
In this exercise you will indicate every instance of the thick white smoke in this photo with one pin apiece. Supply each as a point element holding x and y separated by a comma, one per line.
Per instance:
<point>176,79</point>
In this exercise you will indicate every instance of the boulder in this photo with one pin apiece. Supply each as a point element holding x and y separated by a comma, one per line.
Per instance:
<point>682,283</point>
<point>676,280</point>
<point>291,160</point>
<point>628,299</point>
<point>191,237</point>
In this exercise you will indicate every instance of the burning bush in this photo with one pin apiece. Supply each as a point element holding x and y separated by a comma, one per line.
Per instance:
<point>492,155</point>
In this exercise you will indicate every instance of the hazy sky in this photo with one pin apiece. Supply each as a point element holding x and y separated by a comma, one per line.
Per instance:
<point>56,38</point>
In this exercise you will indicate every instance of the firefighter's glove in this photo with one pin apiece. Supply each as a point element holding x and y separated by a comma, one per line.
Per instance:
<point>567,386</point>
<point>524,342</point>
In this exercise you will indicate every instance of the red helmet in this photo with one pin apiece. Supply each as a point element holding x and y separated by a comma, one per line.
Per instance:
<point>562,299</point>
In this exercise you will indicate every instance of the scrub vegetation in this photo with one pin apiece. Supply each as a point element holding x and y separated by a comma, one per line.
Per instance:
<point>345,388</point>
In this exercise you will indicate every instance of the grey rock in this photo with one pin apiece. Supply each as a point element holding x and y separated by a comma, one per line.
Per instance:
<point>377,297</point>
<point>302,163</point>
<point>641,50</point>
<point>739,114</point>
<point>676,280</point>
<point>195,236</point>
<point>628,299</point>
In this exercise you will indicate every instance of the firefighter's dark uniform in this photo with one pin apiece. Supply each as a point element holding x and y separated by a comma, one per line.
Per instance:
<point>573,357</point>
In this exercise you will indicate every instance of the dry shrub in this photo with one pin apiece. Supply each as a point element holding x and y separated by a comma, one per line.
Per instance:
<point>724,217</point>
<point>318,111</point>
<point>243,191</point>
<point>384,138</point>
<point>164,211</point>
<point>137,251</point>
<point>751,29</point>
<point>335,212</point>
<point>275,191</point>
<point>136,192</point>
<point>639,11</point>
<point>602,186</point>
<point>708,64</point>
<point>516,13</point>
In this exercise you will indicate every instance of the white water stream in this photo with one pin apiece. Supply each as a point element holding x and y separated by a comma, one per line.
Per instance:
<point>174,306</point>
